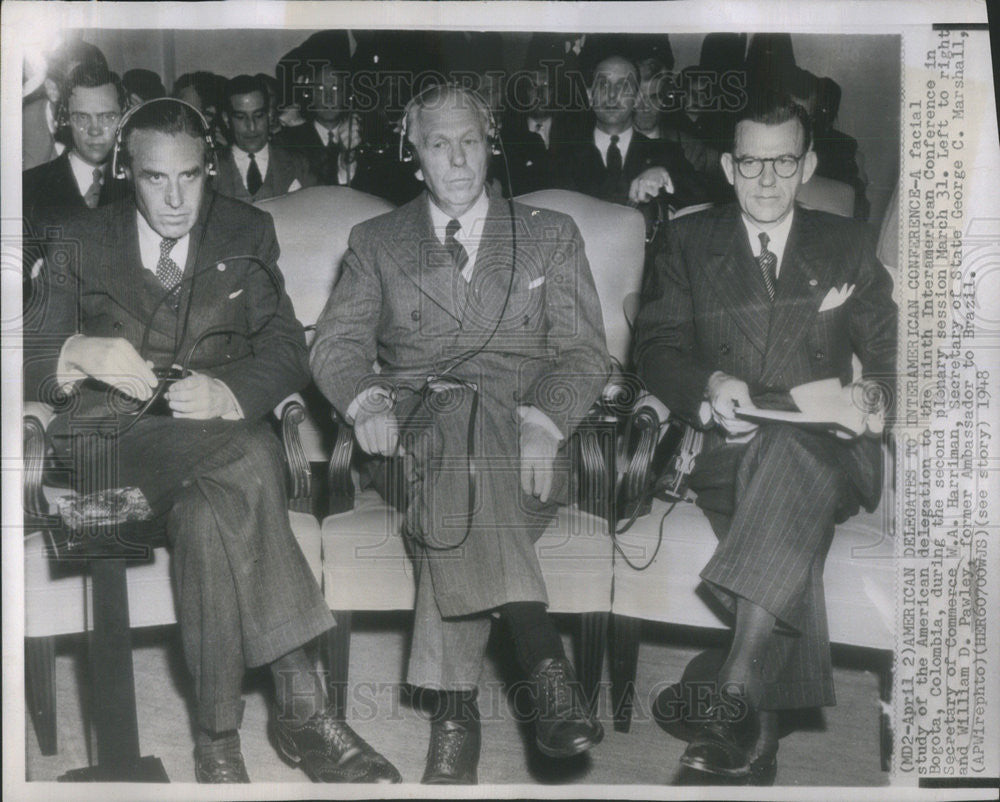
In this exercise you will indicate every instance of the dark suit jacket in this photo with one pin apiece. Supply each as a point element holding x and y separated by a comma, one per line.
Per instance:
<point>283,169</point>
<point>579,167</point>
<point>705,308</point>
<point>376,173</point>
<point>50,190</point>
<point>94,284</point>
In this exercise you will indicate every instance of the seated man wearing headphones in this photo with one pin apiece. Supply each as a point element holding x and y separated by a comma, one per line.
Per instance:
<point>174,275</point>
<point>484,319</point>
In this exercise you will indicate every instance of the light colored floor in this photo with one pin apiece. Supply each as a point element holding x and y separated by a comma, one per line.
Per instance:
<point>841,748</point>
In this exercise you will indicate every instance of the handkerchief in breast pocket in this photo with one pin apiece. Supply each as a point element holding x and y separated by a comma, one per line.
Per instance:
<point>836,296</point>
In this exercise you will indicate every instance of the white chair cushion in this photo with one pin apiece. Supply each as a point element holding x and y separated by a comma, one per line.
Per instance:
<point>859,575</point>
<point>365,565</point>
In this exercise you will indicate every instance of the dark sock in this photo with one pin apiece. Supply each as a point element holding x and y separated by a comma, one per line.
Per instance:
<point>535,636</point>
<point>457,706</point>
<point>298,688</point>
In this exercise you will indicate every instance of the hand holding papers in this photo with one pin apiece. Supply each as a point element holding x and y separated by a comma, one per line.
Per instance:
<point>828,406</point>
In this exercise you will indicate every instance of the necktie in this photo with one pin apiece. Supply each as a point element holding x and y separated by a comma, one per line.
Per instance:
<point>94,193</point>
<point>458,253</point>
<point>254,179</point>
<point>614,160</point>
<point>167,270</point>
<point>331,166</point>
<point>768,263</point>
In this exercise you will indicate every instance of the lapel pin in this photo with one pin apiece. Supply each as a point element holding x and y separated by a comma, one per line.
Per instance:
<point>221,267</point>
<point>812,281</point>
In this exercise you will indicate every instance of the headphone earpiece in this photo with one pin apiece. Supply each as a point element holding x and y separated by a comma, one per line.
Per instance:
<point>407,151</point>
<point>118,168</point>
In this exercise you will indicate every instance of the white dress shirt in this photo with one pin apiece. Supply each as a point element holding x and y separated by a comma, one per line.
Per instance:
<point>84,173</point>
<point>603,142</point>
<point>242,159</point>
<point>778,237</point>
<point>543,128</point>
<point>470,231</point>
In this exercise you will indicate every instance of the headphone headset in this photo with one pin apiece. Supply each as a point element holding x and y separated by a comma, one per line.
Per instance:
<point>118,169</point>
<point>407,150</point>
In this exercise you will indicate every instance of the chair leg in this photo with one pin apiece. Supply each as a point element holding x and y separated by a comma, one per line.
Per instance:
<point>624,664</point>
<point>590,640</point>
<point>337,644</point>
<point>884,719</point>
<point>40,681</point>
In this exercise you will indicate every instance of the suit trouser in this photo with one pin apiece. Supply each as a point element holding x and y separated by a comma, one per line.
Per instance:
<point>496,562</point>
<point>773,502</point>
<point>244,593</point>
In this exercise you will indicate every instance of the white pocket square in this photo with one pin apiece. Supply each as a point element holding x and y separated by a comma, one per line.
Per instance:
<point>235,294</point>
<point>836,296</point>
<point>538,282</point>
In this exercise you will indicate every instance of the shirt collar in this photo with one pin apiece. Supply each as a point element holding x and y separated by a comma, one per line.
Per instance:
<point>149,246</point>
<point>471,221</point>
<point>84,172</point>
<point>323,131</point>
<point>778,236</point>
<point>603,142</point>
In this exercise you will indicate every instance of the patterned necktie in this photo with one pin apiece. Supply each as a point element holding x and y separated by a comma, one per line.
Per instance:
<point>614,160</point>
<point>254,179</point>
<point>768,263</point>
<point>94,193</point>
<point>167,270</point>
<point>458,253</point>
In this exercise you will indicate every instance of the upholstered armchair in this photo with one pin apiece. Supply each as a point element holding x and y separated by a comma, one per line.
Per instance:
<point>365,564</point>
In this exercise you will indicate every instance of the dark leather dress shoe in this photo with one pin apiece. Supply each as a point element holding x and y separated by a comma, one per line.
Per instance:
<point>724,744</point>
<point>213,765</point>
<point>453,753</point>
<point>563,728</point>
<point>329,751</point>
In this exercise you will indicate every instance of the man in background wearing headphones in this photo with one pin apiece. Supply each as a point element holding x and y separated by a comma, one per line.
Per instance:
<point>495,302</point>
<point>174,274</point>
<point>91,105</point>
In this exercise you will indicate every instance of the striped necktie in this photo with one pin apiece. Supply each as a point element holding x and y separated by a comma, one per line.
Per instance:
<point>768,264</point>
<point>455,248</point>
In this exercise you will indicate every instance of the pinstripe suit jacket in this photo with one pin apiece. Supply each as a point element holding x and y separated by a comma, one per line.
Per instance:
<point>705,308</point>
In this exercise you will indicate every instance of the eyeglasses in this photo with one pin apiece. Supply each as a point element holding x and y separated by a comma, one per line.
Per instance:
<point>83,121</point>
<point>784,166</point>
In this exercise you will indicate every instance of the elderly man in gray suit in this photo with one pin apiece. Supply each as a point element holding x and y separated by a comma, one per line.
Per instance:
<point>253,168</point>
<point>480,313</point>
<point>747,302</point>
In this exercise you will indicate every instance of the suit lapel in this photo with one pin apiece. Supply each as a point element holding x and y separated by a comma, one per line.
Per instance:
<point>65,183</point>
<point>803,280</point>
<point>490,277</point>
<point>738,284</point>
<point>131,285</point>
<point>422,259</point>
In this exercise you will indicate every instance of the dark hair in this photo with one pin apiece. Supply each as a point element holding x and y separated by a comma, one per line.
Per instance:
<point>168,116</point>
<point>144,83</point>
<point>772,109</point>
<point>244,85</point>
<point>90,75</point>
<point>204,83</point>
<point>60,62</point>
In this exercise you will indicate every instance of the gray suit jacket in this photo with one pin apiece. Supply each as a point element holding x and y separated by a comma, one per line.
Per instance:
<point>283,169</point>
<point>400,299</point>
<point>396,301</point>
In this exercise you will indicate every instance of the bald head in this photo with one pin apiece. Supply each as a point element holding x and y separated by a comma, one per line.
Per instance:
<point>613,94</point>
